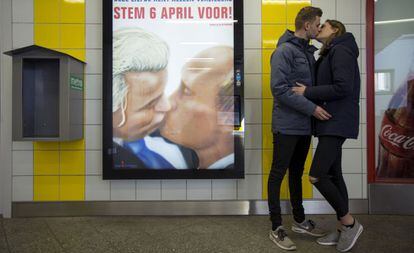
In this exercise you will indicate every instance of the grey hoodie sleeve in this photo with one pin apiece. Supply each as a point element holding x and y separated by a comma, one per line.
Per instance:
<point>281,87</point>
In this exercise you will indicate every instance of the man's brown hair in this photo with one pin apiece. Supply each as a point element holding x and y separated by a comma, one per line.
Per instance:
<point>307,14</point>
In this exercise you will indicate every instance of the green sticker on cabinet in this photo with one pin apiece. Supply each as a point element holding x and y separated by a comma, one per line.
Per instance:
<point>76,83</point>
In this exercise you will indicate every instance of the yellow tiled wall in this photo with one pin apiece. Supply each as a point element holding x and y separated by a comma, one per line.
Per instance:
<point>277,16</point>
<point>59,167</point>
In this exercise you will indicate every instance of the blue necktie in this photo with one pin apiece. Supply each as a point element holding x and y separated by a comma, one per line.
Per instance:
<point>151,159</point>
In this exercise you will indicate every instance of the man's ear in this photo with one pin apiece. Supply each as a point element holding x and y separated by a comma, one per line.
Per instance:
<point>307,25</point>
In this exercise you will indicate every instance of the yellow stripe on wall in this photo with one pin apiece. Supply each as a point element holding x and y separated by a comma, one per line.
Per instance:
<point>59,167</point>
<point>277,16</point>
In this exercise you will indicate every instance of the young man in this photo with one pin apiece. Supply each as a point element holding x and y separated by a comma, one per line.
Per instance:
<point>292,63</point>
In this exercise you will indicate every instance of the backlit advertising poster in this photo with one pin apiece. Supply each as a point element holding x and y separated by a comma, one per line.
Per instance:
<point>173,89</point>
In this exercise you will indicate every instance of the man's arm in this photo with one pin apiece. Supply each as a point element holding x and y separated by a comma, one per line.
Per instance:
<point>281,90</point>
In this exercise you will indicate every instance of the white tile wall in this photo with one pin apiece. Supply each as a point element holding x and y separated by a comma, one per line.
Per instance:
<point>96,188</point>
<point>224,189</point>
<point>93,137</point>
<point>93,159</point>
<point>199,189</point>
<point>148,190</point>
<point>253,86</point>
<point>328,8</point>
<point>22,188</point>
<point>252,36</point>
<point>356,31</point>
<point>252,61</point>
<point>22,145</point>
<point>253,111</point>
<point>123,190</point>
<point>173,189</point>
<point>94,61</point>
<point>22,163</point>
<point>351,161</point>
<point>348,11</point>
<point>93,12</point>
<point>253,161</point>
<point>93,112</point>
<point>253,137</point>
<point>22,11</point>
<point>253,15</point>
<point>94,36</point>
<point>93,86</point>
<point>22,35</point>
<point>354,185</point>
<point>250,187</point>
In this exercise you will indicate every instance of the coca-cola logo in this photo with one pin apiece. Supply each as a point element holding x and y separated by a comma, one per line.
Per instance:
<point>396,139</point>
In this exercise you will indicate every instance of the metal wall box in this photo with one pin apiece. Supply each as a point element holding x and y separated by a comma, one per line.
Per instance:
<point>47,95</point>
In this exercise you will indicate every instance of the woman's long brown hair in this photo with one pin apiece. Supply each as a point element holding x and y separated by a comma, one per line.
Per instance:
<point>341,30</point>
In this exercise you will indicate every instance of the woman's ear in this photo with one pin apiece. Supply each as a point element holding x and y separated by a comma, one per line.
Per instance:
<point>335,30</point>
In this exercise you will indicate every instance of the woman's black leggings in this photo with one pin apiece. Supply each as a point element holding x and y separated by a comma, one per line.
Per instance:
<point>326,168</point>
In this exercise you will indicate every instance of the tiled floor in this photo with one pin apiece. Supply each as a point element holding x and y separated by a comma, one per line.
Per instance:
<point>188,234</point>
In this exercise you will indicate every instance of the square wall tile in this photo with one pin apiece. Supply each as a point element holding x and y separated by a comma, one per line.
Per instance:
<point>364,160</point>
<point>46,162</point>
<point>94,61</point>
<point>22,163</point>
<point>46,188</point>
<point>72,11</point>
<point>328,7</point>
<point>46,11</point>
<point>97,188</point>
<point>249,188</point>
<point>363,11</point>
<point>252,64</point>
<point>22,11</point>
<point>148,190</point>
<point>94,12</point>
<point>22,188</point>
<point>72,188</point>
<point>93,112</point>
<point>93,86</point>
<point>253,111</point>
<point>364,186</point>
<point>47,35</point>
<point>271,35</point>
<point>253,136</point>
<point>354,143</point>
<point>198,189</point>
<point>252,36</point>
<point>316,193</point>
<point>354,185</point>
<point>267,140</point>
<point>93,162</point>
<point>94,36</point>
<point>224,189</point>
<point>22,35</point>
<point>349,11</point>
<point>363,85</point>
<point>123,190</point>
<point>267,111</point>
<point>351,160</point>
<point>363,111</point>
<point>72,36</point>
<point>93,137</point>
<point>252,11</point>
<point>72,163</point>
<point>253,161</point>
<point>363,36</point>
<point>252,86</point>
<point>274,12</point>
<point>267,159</point>
<point>173,189</point>
<point>22,145</point>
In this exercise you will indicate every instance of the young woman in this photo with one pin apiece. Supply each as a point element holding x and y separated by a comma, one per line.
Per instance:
<point>337,89</point>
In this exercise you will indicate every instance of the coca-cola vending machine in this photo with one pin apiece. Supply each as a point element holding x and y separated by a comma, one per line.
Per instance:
<point>390,108</point>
